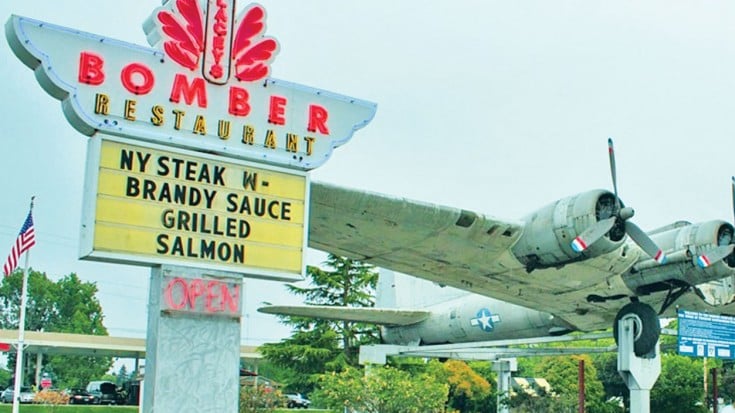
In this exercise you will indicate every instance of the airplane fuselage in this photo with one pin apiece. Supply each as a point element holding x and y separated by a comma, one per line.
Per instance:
<point>473,318</point>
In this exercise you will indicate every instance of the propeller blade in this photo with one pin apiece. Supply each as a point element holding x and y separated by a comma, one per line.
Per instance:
<point>613,170</point>
<point>645,242</point>
<point>715,255</point>
<point>592,234</point>
<point>733,194</point>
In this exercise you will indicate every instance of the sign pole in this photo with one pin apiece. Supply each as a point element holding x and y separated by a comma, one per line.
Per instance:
<point>193,341</point>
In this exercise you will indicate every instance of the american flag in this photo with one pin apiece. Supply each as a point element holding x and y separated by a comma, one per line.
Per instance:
<point>26,239</point>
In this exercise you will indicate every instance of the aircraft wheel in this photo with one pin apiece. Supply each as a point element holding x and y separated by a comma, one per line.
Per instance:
<point>646,329</point>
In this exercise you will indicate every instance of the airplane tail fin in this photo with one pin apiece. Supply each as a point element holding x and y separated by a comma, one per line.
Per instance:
<point>385,293</point>
<point>396,290</point>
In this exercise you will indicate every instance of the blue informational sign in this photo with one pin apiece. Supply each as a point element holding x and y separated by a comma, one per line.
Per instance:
<point>706,335</point>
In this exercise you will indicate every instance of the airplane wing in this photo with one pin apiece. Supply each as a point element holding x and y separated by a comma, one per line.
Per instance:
<point>397,232</point>
<point>463,249</point>
<point>382,316</point>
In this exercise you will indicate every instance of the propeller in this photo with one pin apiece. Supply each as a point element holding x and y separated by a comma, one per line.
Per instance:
<point>715,255</point>
<point>620,215</point>
<point>720,252</point>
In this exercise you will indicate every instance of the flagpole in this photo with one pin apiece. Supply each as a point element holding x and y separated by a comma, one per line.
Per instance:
<point>21,332</point>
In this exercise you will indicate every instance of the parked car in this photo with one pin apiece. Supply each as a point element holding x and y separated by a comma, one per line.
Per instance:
<point>297,401</point>
<point>79,396</point>
<point>104,392</point>
<point>26,395</point>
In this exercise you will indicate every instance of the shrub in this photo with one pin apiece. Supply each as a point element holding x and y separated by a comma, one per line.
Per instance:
<point>260,399</point>
<point>53,397</point>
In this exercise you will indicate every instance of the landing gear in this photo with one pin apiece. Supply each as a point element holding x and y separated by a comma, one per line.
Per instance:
<point>638,373</point>
<point>646,327</point>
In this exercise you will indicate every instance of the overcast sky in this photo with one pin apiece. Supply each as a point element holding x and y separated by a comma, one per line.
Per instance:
<point>495,106</point>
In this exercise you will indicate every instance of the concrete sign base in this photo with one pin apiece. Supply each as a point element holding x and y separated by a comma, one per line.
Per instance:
<point>193,344</point>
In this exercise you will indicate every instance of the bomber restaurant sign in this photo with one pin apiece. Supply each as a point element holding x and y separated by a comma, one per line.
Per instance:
<point>203,86</point>
<point>201,158</point>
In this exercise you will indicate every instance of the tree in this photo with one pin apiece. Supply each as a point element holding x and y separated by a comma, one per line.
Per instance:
<point>40,309</point>
<point>319,345</point>
<point>680,385</point>
<point>66,306</point>
<point>727,382</point>
<point>305,354</point>
<point>468,391</point>
<point>122,376</point>
<point>607,372</point>
<point>350,283</point>
<point>383,390</point>
<point>562,373</point>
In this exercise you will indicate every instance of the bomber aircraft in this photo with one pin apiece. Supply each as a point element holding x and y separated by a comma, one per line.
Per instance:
<point>577,264</point>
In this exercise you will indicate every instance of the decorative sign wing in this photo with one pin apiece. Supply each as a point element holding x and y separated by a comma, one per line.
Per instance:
<point>186,39</point>
<point>252,56</point>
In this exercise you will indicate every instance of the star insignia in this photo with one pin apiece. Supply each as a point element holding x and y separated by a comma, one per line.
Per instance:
<point>485,320</point>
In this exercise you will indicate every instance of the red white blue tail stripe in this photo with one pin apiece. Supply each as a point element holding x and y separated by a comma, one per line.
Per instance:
<point>703,261</point>
<point>660,257</point>
<point>578,245</point>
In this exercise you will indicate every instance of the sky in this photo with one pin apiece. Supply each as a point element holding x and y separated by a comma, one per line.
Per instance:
<point>493,106</point>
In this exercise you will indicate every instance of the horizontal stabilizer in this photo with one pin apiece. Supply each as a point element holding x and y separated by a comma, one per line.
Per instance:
<point>382,316</point>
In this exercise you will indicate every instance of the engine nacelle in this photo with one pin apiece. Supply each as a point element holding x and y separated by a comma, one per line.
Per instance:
<point>549,232</point>
<point>683,245</point>
<point>696,238</point>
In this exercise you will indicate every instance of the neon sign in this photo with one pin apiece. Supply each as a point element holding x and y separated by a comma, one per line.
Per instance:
<point>204,85</point>
<point>201,296</point>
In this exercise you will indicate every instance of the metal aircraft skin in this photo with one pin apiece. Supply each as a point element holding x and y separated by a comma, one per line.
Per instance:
<point>434,314</point>
<point>580,259</point>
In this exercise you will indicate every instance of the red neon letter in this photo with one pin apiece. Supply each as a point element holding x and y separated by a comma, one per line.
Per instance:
<point>129,71</point>
<point>277,110</point>
<point>90,68</point>
<point>169,295</point>
<point>231,301</point>
<point>318,119</point>
<point>195,90</point>
<point>196,289</point>
<point>239,101</point>
<point>212,294</point>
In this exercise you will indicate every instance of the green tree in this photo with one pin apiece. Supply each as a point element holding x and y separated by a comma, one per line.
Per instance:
<point>383,390</point>
<point>304,354</point>
<point>41,312</point>
<point>727,382</point>
<point>679,387</point>
<point>346,283</point>
<point>122,375</point>
<point>317,345</point>
<point>607,372</point>
<point>562,373</point>
<point>5,377</point>
<point>66,306</point>
<point>267,370</point>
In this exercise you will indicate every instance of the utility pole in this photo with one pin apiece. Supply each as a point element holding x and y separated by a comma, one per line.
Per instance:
<point>580,379</point>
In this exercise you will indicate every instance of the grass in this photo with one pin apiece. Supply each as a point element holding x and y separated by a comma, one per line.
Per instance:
<point>38,408</point>
<point>35,408</point>
<point>300,410</point>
